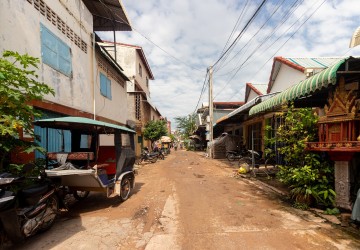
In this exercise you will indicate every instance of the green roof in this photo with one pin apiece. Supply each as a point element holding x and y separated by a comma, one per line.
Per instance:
<point>316,82</point>
<point>81,123</point>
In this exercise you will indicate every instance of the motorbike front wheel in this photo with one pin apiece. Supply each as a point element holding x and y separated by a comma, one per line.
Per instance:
<point>230,157</point>
<point>50,213</point>
<point>153,160</point>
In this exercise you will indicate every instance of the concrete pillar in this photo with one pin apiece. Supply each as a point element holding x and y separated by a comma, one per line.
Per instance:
<point>342,184</point>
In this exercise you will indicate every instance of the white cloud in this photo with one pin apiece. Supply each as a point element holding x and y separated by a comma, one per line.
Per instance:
<point>196,31</point>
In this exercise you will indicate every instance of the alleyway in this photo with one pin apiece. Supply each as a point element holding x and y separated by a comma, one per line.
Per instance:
<point>190,202</point>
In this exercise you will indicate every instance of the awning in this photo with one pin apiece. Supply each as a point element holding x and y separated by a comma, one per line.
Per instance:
<point>316,82</point>
<point>245,107</point>
<point>81,123</point>
<point>165,139</point>
<point>109,15</point>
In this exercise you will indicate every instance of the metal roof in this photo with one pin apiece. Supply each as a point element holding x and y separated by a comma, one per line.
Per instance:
<point>81,123</point>
<point>314,62</point>
<point>108,15</point>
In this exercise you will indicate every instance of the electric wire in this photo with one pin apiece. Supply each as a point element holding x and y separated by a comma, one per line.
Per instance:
<point>241,33</point>
<point>272,33</point>
<point>260,45</point>
<point>148,39</point>
<point>252,53</point>
<point>202,90</point>
<point>257,32</point>
<point>290,37</point>
<point>233,31</point>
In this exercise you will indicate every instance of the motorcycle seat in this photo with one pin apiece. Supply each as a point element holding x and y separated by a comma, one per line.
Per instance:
<point>34,191</point>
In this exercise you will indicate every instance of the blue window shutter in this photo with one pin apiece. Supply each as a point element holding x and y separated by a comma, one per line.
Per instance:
<point>103,80</point>
<point>64,58</point>
<point>108,89</point>
<point>55,52</point>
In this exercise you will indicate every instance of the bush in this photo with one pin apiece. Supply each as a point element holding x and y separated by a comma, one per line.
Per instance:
<point>309,176</point>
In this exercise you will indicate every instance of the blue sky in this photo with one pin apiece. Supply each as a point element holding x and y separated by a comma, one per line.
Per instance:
<point>195,32</point>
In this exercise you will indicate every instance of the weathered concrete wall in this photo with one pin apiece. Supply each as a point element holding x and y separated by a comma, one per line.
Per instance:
<point>115,108</point>
<point>22,34</point>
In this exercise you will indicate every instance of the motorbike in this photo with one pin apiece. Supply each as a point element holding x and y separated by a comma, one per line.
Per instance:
<point>161,154</point>
<point>148,156</point>
<point>26,210</point>
<point>240,152</point>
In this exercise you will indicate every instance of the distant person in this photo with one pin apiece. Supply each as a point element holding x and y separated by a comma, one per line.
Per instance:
<point>175,146</point>
<point>155,147</point>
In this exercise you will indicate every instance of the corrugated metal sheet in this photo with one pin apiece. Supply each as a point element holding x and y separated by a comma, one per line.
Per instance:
<point>315,62</point>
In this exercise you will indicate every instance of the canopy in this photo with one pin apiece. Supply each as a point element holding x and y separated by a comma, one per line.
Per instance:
<point>165,139</point>
<point>244,108</point>
<point>316,82</point>
<point>109,15</point>
<point>81,123</point>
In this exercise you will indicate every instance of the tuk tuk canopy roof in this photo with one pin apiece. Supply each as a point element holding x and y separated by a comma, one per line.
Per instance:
<point>81,123</point>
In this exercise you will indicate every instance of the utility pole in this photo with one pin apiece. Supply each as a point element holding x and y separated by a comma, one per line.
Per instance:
<point>211,110</point>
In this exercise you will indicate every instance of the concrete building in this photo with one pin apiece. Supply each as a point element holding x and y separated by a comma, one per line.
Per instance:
<point>86,80</point>
<point>141,110</point>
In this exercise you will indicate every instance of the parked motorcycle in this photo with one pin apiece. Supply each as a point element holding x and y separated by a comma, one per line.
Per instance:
<point>161,154</point>
<point>147,156</point>
<point>25,211</point>
<point>233,155</point>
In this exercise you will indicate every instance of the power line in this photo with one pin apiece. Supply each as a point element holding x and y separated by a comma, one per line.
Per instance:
<point>242,31</point>
<point>291,36</point>
<point>274,11</point>
<point>261,44</point>
<point>202,90</point>
<point>172,56</point>
<point>235,27</point>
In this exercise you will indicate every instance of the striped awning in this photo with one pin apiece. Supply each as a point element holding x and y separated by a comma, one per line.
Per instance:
<point>316,82</point>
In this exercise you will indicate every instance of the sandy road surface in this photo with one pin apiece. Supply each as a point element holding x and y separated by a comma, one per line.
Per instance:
<point>190,202</point>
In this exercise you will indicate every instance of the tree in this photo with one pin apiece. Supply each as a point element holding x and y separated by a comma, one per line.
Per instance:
<point>18,86</point>
<point>154,130</point>
<point>186,124</point>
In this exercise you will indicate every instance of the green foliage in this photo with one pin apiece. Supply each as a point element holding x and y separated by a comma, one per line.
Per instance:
<point>172,137</point>
<point>18,87</point>
<point>154,130</point>
<point>186,125</point>
<point>332,211</point>
<point>309,175</point>
<point>300,205</point>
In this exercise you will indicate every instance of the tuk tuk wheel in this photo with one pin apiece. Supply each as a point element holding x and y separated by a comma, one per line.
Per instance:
<point>125,188</point>
<point>80,195</point>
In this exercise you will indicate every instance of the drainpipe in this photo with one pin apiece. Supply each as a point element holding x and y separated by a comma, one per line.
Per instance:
<point>94,76</point>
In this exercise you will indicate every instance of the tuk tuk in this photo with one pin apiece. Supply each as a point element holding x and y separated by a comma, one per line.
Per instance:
<point>101,158</point>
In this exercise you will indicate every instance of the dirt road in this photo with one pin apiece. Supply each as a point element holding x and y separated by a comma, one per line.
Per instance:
<point>190,202</point>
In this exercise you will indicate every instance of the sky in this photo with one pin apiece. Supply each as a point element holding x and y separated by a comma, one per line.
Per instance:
<point>183,38</point>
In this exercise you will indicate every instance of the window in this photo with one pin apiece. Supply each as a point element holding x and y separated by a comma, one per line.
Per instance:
<point>140,70</point>
<point>105,86</point>
<point>55,52</point>
<point>147,82</point>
